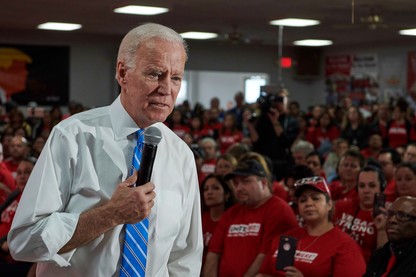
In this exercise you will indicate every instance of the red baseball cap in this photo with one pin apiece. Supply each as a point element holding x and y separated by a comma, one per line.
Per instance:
<point>316,182</point>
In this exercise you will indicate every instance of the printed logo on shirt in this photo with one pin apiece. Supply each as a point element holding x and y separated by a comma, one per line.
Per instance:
<point>302,256</point>
<point>398,130</point>
<point>244,230</point>
<point>356,227</point>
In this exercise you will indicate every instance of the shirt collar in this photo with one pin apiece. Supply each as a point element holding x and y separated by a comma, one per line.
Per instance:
<point>123,124</point>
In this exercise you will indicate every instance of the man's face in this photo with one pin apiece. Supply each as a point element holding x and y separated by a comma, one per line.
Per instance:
<point>401,230</point>
<point>22,174</point>
<point>249,190</point>
<point>410,154</point>
<point>18,148</point>
<point>349,168</point>
<point>314,163</point>
<point>299,158</point>
<point>210,150</point>
<point>149,90</point>
<point>387,165</point>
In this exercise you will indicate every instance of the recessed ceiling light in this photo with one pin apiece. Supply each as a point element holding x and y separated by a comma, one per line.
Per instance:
<point>142,10</point>
<point>295,22</point>
<point>312,42</point>
<point>59,26</point>
<point>199,35</point>
<point>408,32</point>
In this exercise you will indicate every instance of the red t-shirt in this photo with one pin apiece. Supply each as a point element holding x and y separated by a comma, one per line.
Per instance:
<point>243,232</point>
<point>279,190</point>
<point>390,191</point>
<point>331,254</point>
<point>358,224</point>
<point>7,179</point>
<point>397,134</point>
<point>208,229</point>
<point>7,217</point>
<point>317,135</point>
<point>367,152</point>
<point>180,130</point>
<point>228,138</point>
<point>11,166</point>
<point>338,191</point>
<point>208,166</point>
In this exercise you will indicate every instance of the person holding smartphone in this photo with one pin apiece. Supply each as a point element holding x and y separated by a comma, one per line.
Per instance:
<point>322,249</point>
<point>355,216</point>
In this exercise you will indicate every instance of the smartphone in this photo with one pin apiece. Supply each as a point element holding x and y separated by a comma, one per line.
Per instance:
<point>286,253</point>
<point>379,201</point>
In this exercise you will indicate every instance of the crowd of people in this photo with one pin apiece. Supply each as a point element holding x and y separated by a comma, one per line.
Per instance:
<point>343,157</point>
<point>269,169</point>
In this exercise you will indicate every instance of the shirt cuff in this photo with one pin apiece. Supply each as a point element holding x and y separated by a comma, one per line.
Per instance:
<point>57,232</point>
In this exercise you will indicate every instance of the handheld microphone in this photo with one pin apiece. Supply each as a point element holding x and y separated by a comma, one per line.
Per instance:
<point>152,137</point>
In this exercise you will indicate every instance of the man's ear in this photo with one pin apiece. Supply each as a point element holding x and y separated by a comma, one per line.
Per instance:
<point>121,73</point>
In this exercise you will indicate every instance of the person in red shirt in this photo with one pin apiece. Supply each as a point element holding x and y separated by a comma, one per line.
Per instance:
<point>226,163</point>
<point>8,266</point>
<point>18,151</point>
<point>176,122</point>
<point>322,249</point>
<point>229,133</point>
<point>209,145</point>
<point>7,183</point>
<point>349,166</point>
<point>389,159</point>
<point>216,198</point>
<point>323,134</point>
<point>315,161</point>
<point>406,179</point>
<point>375,144</point>
<point>355,216</point>
<point>398,130</point>
<point>244,232</point>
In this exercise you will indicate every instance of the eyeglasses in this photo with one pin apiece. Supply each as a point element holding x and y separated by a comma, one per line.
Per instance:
<point>401,216</point>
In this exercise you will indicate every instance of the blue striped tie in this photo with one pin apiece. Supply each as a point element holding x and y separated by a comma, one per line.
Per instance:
<point>133,260</point>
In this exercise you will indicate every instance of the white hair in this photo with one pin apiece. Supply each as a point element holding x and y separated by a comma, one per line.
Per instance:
<point>139,35</point>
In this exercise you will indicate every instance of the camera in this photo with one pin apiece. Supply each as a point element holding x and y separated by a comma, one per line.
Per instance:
<point>268,100</point>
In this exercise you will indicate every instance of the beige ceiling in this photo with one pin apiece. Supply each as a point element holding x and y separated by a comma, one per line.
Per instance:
<point>247,17</point>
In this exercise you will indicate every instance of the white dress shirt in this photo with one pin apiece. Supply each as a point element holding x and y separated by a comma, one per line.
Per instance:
<point>84,159</point>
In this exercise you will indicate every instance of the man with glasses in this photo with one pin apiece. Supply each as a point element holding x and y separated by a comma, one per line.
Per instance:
<point>397,257</point>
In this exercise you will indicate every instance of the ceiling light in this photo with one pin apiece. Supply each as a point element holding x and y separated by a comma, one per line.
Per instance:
<point>142,10</point>
<point>58,26</point>
<point>199,35</point>
<point>295,22</point>
<point>312,42</point>
<point>408,32</point>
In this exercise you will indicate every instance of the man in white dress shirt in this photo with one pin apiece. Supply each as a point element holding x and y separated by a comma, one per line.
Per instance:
<point>71,217</point>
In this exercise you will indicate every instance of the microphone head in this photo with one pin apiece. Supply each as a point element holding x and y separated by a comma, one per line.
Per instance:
<point>152,135</point>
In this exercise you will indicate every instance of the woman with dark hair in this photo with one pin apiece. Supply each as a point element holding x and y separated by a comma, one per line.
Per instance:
<point>215,198</point>
<point>322,249</point>
<point>354,128</point>
<point>406,179</point>
<point>322,135</point>
<point>229,133</point>
<point>355,216</point>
